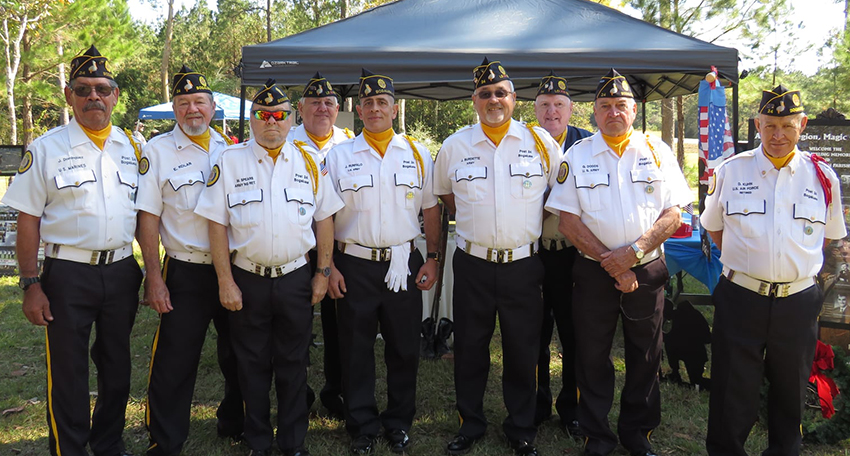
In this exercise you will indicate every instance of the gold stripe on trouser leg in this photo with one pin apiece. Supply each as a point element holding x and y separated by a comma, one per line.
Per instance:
<point>50,394</point>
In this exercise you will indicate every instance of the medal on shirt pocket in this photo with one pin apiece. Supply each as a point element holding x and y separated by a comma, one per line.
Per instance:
<point>526,180</point>
<point>299,205</point>
<point>407,189</point>
<point>76,189</point>
<point>809,223</point>
<point>648,182</point>
<point>131,184</point>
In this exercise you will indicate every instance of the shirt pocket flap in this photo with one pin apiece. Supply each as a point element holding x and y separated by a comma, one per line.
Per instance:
<point>407,180</point>
<point>815,213</point>
<point>535,169</point>
<point>591,180</point>
<point>471,173</point>
<point>646,175</point>
<point>191,178</point>
<point>746,207</point>
<point>74,179</point>
<point>299,195</point>
<point>242,198</point>
<point>355,183</point>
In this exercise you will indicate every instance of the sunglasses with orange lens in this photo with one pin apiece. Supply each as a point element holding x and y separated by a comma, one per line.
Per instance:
<point>278,116</point>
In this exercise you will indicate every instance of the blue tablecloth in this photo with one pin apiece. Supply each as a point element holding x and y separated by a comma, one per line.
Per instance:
<point>686,254</point>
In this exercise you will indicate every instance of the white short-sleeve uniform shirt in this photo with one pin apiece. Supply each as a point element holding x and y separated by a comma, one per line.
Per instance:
<point>86,197</point>
<point>499,191</point>
<point>773,220</point>
<point>268,206</point>
<point>619,198</point>
<point>299,133</point>
<point>383,196</point>
<point>174,172</point>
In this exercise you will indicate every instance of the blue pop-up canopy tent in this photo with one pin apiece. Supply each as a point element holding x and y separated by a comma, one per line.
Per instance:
<point>226,107</point>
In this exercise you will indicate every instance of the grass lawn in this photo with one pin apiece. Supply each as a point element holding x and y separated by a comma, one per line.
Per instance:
<point>23,427</point>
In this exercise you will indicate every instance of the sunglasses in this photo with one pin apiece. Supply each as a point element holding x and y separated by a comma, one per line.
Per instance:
<point>84,90</point>
<point>278,116</point>
<point>498,94</point>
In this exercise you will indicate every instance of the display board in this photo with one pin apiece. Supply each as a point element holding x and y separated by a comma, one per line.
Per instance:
<point>10,158</point>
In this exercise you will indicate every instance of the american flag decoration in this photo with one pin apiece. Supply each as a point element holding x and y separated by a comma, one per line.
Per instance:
<point>715,136</point>
<point>323,168</point>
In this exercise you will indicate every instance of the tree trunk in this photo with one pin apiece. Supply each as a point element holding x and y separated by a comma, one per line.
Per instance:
<point>680,131</point>
<point>13,61</point>
<point>166,53</point>
<point>60,51</point>
<point>401,122</point>
<point>26,108</point>
<point>667,121</point>
<point>268,20</point>
<point>343,9</point>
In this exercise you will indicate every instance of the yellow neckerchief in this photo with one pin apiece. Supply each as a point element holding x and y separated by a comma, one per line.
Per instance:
<point>561,138</point>
<point>496,134</point>
<point>98,137</point>
<point>420,167</point>
<point>779,162</point>
<point>202,140</point>
<point>379,141</point>
<point>618,143</point>
<point>273,153</point>
<point>320,142</point>
<point>310,164</point>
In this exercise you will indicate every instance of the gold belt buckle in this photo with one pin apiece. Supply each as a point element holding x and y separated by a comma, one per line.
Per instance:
<point>278,270</point>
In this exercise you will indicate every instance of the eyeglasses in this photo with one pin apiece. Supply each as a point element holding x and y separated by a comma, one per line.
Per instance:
<point>84,90</point>
<point>278,116</point>
<point>498,94</point>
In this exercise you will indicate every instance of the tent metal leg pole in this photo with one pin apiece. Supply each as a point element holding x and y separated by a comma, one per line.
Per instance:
<point>643,115</point>
<point>735,116</point>
<point>242,114</point>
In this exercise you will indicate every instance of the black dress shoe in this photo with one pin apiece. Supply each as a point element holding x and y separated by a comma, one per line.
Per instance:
<point>362,444</point>
<point>259,453</point>
<point>232,432</point>
<point>523,448</point>
<point>461,444</point>
<point>573,429</point>
<point>397,440</point>
<point>649,452</point>
<point>296,452</point>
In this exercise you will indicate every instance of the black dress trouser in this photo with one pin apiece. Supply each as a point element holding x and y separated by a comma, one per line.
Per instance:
<point>271,335</point>
<point>176,352</point>
<point>757,337</point>
<point>483,290</point>
<point>82,296</point>
<point>557,309</point>
<point>597,306</point>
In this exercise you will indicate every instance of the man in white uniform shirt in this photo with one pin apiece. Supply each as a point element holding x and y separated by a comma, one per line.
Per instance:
<point>319,107</point>
<point>76,191</point>
<point>173,171</point>
<point>385,180</point>
<point>770,211</point>
<point>553,109</point>
<point>493,176</point>
<point>261,200</point>
<point>619,197</point>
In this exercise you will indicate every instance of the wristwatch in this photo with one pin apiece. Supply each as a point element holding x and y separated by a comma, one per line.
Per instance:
<point>324,271</point>
<point>434,255</point>
<point>25,282</point>
<point>638,252</point>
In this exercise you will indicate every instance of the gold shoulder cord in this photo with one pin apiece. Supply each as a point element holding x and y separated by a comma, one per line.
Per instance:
<point>348,133</point>
<point>310,163</point>
<point>652,149</point>
<point>541,148</point>
<point>420,167</point>
<point>223,136</point>
<point>136,148</point>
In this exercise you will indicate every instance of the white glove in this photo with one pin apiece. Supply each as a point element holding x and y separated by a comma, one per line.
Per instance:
<point>396,278</point>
